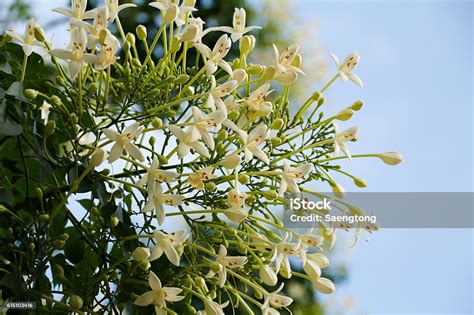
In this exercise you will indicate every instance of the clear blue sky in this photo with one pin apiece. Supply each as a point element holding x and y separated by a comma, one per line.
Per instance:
<point>417,68</point>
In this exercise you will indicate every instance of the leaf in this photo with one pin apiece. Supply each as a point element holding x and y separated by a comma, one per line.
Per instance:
<point>5,67</point>
<point>7,126</point>
<point>74,250</point>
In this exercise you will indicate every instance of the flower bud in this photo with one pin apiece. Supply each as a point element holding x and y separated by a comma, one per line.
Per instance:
<point>136,62</point>
<point>157,123</point>
<point>39,34</point>
<point>114,221</point>
<point>250,199</point>
<point>63,237</point>
<point>275,141</point>
<point>338,190</point>
<point>277,124</point>
<point>38,193</point>
<point>391,157</point>
<point>130,39</point>
<point>49,128</point>
<point>255,69</point>
<point>324,285</point>
<point>268,275</point>
<point>247,44</point>
<point>144,265</point>
<point>239,75</point>
<point>189,33</point>
<point>75,302</point>
<point>222,135</point>
<point>58,244</point>
<point>31,247</point>
<point>141,253</point>
<point>236,214</point>
<point>215,267</point>
<point>182,78</point>
<point>321,100</point>
<point>152,140</point>
<point>233,115</point>
<point>190,3</point>
<point>359,182</point>
<point>56,101</point>
<point>97,158</point>
<point>357,105</point>
<point>268,73</point>
<point>244,179</point>
<point>344,114</point>
<point>58,270</point>
<point>44,218</point>
<point>231,161</point>
<point>270,195</point>
<point>31,94</point>
<point>141,32</point>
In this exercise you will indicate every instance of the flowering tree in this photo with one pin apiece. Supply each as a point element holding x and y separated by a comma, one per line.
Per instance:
<point>145,184</point>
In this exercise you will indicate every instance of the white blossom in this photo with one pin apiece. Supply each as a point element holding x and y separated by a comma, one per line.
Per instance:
<point>187,142</point>
<point>224,262</point>
<point>215,57</point>
<point>115,8</point>
<point>349,64</point>
<point>123,141</point>
<point>252,141</point>
<point>157,200</point>
<point>159,295</point>
<point>167,244</point>
<point>341,137</point>
<point>291,174</point>
<point>28,39</point>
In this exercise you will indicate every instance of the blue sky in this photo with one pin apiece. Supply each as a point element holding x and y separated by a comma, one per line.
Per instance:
<point>417,68</point>
<point>416,63</point>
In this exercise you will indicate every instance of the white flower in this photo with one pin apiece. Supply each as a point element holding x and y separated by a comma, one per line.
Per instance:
<point>202,123</point>
<point>167,243</point>
<point>215,57</point>
<point>193,31</point>
<point>286,73</point>
<point>212,308</point>
<point>239,75</point>
<point>45,110</point>
<point>235,198</point>
<point>156,200</point>
<point>28,38</point>
<point>171,11</point>
<point>186,143</point>
<point>291,174</point>
<point>324,285</point>
<point>97,157</point>
<point>257,101</point>
<point>231,161</point>
<point>76,56</point>
<point>107,55</point>
<point>198,178</point>
<point>252,141</point>
<point>349,64</point>
<point>276,300</point>
<point>314,263</point>
<point>236,214</point>
<point>115,8</point>
<point>217,92</point>
<point>341,137</point>
<point>154,174</point>
<point>101,16</point>
<point>124,141</point>
<point>141,253</point>
<point>158,295</point>
<point>282,251</point>
<point>268,275</point>
<point>224,262</point>
<point>238,30</point>
<point>391,157</point>
<point>78,10</point>
<point>183,10</point>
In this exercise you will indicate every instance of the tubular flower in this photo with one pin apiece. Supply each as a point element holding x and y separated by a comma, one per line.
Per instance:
<point>115,8</point>
<point>123,141</point>
<point>286,73</point>
<point>107,55</point>
<point>201,124</point>
<point>268,275</point>
<point>282,251</point>
<point>167,244</point>
<point>198,178</point>
<point>213,308</point>
<point>27,40</point>
<point>238,30</point>
<point>187,142</point>
<point>216,93</point>
<point>77,12</point>
<point>215,57</point>
<point>45,109</point>
<point>157,200</point>
<point>193,32</point>
<point>158,295</point>
<point>290,175</point>
<point>349,64</point>
<point>341,137</point>
<point>76,56</point>
<point>257,102</point>
<point>252,142</point>
<point>99,24</point>
<point>223,261</point>
<point>154,175</point>
<point>275,300</point>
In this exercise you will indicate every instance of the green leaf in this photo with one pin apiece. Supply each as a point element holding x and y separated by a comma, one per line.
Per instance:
<point>74,250</point>
<point>7,126</point>
<point>5,67</point>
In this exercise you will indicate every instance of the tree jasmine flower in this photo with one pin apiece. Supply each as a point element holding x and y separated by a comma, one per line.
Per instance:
<point>215,57</point>
<point>123,141</point>
<point>238,30</point>
<point>224,262</point>
<point>252,142</point>
<point>167,244</point>
<point>349,64</point>
<point>187,142</point>
<point>291,174</point>
<point>341,137</point>
<point>202,123</point>
<point>45,110</point>
<point>28,38</point>
<point>158,295</point>
<point>156,200</point>
<point>115,8</point>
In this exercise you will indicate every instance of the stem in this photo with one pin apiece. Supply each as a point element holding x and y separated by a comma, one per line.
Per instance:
<point>79,83</point>
<point>23,68</point>
<point>329,83</point>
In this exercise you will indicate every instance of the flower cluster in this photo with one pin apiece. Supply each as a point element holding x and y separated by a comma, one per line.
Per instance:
<point>215,143</point>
